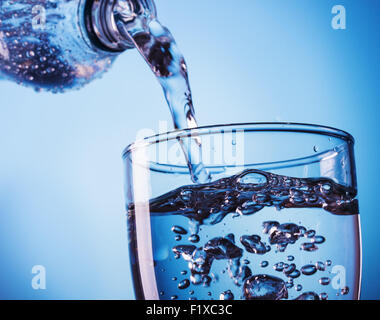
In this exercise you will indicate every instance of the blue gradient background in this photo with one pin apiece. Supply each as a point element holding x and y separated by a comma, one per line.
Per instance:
<point>61,186</point>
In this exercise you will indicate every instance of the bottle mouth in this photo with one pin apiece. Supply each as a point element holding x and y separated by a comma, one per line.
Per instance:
<point>101,24</point>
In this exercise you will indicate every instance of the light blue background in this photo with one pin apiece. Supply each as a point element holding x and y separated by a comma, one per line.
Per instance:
<point>61,186</point>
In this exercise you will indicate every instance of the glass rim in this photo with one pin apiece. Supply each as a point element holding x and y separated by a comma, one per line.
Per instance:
<point>246,126</point>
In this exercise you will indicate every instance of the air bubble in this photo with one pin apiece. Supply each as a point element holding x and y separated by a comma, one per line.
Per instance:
<point>269,226</point>
<point>308,296</point>
<point>184,284</point>
<point>279,266</point>
<point>345,291</point>
<point>253,244</point>
<point>318,239</point>
<point>194,238</point>
<point>326,188</point>
<point>226,295</point>
<point>289,269</point>
<point>295,274</point>
<point>310,234</point>
<point>186,195</point>
<point>264,287</point>
<point>308,270</point>
<point>323,296</point>
<point>179,230</point>
<point>320,266</point>
<point>254,178</point>
<point>310,247</point>
<point>325,281</point>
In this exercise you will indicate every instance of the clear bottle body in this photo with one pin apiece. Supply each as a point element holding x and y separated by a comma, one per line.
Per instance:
<point>50,44</point>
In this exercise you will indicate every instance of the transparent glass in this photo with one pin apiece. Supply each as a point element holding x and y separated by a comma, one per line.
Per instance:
<point>278,221</point>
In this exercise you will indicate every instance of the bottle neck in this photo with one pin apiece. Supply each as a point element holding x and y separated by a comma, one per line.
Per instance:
<point>101,18</point>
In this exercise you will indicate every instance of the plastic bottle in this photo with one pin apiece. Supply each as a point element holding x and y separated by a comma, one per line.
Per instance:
<point>63,44</point>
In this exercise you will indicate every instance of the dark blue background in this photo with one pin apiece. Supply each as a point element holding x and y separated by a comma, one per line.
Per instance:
<point>61,186</point>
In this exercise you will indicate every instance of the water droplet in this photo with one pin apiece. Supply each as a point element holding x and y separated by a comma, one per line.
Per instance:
<point>289,269</point>
<point>298,287</point>
<point>345,291</point>
<point>252,177</point>
<point>248,208</point>
<point>279,266</point>
<point>326,188</point>
<point>186,195</point>
<point>264,287</point>
<point>324,281</point>
<point>323,296</point>
<point>310,247</point>
<point>184,284</point>
<point>264,264</point>
<point>253,244</point>
<point>174,297</point>
<point>295,274</point>
<point>230,237</point>
<point>196,278</point>
<point>318,239</point>
<point>194,238</point>
<point>178,238</point>
<point>201,262</point>
<point>310,233</point>
<point>320,266</point>
<point>308,296</point>
<point>270,226</point>
<point>185,251</point>
<point>328,263</point>
<point>315,148</point>
<point>179,230</point>
<point>308,269</point>
<point>206,280</point>
<point>222,248</point>
<point>290,258</point>
<point>226,295</point>
<point>284,234</point>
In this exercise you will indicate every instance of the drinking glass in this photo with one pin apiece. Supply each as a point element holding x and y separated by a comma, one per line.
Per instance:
<point>278,220</point>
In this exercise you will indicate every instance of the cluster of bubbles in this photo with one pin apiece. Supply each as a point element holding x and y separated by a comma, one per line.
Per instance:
<point>284,234</point>
<point>251,191</point>
<point>246,194</point>
<point>259,286</point>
